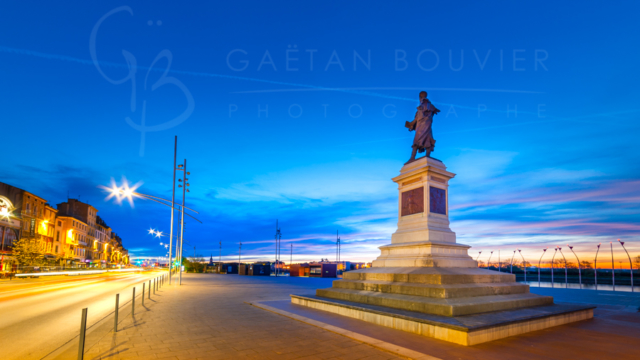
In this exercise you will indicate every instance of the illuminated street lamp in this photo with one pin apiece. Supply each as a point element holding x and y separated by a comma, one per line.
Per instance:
<point>552,264</point>
<point>566,278</point>
<point>524,265</point>
<point>595,266</point>
<point>579,271</point>
<point>125,191</point>
<point>630,264</point>
<point>511,268</point>
<point>544,251</point>
<point>613,268</point>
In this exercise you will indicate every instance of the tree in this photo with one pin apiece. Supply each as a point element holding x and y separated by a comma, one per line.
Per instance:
<point>636,262</point>
<point>27,252</point>
<point>586,264</point>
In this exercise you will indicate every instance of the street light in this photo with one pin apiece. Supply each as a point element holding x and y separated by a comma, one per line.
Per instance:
<point>566,278</point>
<point>544,251</point>
<point>524,265</point>
<point>125,191</point>
<point>552,265</point>
<point>511,269</point>
<point>595,266</point>
<point>613,268</point>
<point>278,239</point>
<point>579,271</point>
<point>489,261</point>
<point>630,263</point>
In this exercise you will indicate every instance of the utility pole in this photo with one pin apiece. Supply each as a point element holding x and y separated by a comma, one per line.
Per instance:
<point>173,200</point>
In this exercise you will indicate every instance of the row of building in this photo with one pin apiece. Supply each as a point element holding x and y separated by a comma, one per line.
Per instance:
<point>71,234</point>
<point>326,269</point>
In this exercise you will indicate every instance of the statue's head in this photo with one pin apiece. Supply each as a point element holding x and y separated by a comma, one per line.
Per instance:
<point>423,94</point>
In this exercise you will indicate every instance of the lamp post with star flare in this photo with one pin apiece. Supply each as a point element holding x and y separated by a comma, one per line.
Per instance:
<point>128,192</point>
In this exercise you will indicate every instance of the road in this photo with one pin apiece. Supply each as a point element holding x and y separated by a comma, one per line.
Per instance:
<point>39,315</point>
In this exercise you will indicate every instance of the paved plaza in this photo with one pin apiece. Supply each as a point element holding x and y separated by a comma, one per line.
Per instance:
<point>211,317</point>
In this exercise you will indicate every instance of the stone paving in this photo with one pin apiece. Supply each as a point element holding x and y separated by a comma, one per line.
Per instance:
<point>207,318</point>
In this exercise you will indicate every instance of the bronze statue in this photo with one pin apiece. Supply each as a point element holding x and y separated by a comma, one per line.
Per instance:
<point>423,141</point>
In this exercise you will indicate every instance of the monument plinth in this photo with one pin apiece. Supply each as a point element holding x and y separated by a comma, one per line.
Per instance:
<point>426,283</point>
<point>423,237</point>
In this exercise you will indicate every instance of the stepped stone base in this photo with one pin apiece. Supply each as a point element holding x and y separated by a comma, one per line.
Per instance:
<point>462,305</point>
<point>438,291</point>
<point>463,330</point>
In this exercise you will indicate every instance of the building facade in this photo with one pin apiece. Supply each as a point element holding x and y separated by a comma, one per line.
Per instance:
<point>70,235</point>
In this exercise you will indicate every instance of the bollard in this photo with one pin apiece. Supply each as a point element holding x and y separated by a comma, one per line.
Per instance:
<point>149,289</point>
<point>133,302</point>
<point>154,286</point>
<point>83,332</point>
<point>115,322</point>
<point>143,294</point>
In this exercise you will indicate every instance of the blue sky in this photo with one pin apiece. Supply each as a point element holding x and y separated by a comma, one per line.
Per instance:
<point>295,111</point>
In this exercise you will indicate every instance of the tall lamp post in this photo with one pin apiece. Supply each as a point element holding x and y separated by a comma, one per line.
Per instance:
<point>524,265</point>
<point>478,258</point>
<point>595,266</point>
<point>278,238</point>
<point>579,271</point>
<point>511,268</point>
<point>489,261</point>
<point>544,251</point>
<point>184,186</point>
<point>129,192</point>
<point>613,268</point>
<point>630,263</point>
<point>173,201</point>
<point>553,264</point>
<point>566,278</point>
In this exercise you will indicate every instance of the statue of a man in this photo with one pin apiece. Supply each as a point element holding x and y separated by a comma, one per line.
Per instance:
<point>423,141</point>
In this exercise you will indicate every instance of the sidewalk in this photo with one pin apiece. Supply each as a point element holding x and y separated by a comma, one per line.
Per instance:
<point>207,318</point>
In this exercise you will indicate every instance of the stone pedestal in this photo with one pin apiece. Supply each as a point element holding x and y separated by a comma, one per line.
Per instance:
<point>425,276</point>
<point>423,237</point>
